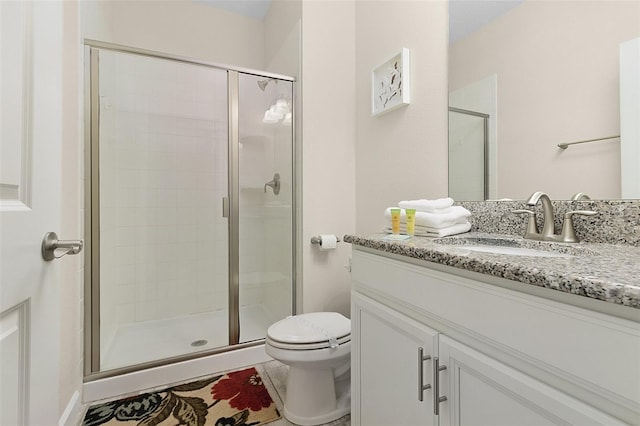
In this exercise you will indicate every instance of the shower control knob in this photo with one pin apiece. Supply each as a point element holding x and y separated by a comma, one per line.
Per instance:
<point>274,184</point>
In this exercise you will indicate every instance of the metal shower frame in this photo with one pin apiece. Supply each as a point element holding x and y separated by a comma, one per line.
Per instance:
<point>485,123</point>
<point>92,208</point>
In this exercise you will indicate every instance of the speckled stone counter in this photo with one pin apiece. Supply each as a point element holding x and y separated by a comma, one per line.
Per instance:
<point>607,272</point>
<point>616,221</point>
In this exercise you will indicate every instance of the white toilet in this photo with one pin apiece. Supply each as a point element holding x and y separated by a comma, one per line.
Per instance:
<point>317,349</point>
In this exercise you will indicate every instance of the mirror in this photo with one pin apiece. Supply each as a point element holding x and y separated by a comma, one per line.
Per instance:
<point>546,73</point>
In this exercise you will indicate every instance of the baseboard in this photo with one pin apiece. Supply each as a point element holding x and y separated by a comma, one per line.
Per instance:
<point>72,415</point>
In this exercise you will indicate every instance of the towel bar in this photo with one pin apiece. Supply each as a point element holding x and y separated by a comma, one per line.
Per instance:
<point>566,144</point>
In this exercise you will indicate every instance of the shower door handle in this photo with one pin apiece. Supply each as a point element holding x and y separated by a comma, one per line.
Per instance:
<point>225,206</point>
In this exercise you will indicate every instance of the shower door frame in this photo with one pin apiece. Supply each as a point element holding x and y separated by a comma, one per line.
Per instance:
<point>485,143</point>
<point>92,348</point>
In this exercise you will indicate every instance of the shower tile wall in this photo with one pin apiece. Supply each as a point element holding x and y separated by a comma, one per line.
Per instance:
<point>163,173</point>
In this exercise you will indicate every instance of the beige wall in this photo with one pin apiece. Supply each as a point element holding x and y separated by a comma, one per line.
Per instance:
<point>328,155</point>
<point>355,165</point>
<point>179,27</point>
<point>557,67</point>
<point>282,27</point>
<point>402,154</point>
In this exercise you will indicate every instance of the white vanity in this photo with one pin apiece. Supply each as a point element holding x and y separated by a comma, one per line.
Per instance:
<point>436,344</point>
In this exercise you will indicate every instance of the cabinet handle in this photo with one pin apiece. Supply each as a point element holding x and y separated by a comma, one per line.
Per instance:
<point>421,386</point>
<point>437,399</point>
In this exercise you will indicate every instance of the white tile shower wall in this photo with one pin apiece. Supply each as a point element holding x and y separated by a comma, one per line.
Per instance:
<point>162,177</point>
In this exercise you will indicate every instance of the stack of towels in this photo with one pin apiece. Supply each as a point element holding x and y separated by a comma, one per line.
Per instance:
<point>434,218</point>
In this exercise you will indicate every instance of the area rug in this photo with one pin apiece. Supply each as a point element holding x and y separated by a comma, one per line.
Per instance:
<point>231,399</point>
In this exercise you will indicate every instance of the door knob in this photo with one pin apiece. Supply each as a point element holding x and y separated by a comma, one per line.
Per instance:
<point>51,243</point>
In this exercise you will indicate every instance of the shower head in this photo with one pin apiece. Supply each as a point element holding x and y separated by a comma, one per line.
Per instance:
<point>262,84</point>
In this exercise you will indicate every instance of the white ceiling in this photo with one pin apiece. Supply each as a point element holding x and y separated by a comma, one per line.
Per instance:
<point>467,16</point>
<point>252,8</point>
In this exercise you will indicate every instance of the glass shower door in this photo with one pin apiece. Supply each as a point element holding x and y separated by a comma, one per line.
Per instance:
<point>162,241</point>
<point>265,203</point>
<point>468,145</point>
<point>191,208</point>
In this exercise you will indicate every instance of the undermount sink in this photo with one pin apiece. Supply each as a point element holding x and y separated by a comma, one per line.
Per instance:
<point>513,251</point>
<point>513,246</point>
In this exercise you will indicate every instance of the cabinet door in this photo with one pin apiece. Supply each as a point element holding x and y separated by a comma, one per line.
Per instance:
<point>482,391</point>
<point>385,363</point>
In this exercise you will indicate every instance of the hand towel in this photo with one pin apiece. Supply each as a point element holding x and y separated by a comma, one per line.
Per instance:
<point>458,228</point>
<point>441,205</point>
<point>457,215</point>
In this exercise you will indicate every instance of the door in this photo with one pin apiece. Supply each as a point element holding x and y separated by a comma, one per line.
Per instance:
<point>386,367</point>
<point>160,172</point>
<point>31,127</point>
<point>265,203</point>
<point>482,391</point>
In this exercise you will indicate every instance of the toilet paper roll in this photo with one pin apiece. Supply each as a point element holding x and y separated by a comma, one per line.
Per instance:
<point>328,242</point>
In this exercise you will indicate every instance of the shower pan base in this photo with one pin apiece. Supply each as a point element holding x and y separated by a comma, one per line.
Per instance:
<point>134,343</point>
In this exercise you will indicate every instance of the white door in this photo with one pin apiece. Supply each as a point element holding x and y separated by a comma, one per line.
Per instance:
<point>482,391</point>
<point>31,126</point>
<point>386,368</point>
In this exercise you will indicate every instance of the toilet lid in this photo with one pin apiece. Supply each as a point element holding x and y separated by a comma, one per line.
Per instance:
<point>311,328</point>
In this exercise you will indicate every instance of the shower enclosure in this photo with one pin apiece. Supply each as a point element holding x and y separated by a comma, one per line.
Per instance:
<point>468,155</point>
<point>190,201</point>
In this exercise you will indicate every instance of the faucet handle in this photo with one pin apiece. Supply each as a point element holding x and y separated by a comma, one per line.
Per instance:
<point>568,233</point>
<point>581,212</point>
<point>532,226</point>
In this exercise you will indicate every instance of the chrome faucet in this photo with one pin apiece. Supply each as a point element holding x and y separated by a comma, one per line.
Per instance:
<point>547,211</point>
<point>579,196</point>
<point>568,234</point>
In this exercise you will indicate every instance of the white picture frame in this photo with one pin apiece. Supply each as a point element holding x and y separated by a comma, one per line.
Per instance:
<point>390,84</point>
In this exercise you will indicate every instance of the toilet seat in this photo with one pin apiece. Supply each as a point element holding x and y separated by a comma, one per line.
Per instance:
<point>306,346</point>
<point>317,330</point>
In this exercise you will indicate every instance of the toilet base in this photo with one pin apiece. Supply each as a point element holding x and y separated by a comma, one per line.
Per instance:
<point>327,400</point>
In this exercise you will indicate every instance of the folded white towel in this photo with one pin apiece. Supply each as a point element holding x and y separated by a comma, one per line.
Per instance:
<point>458,214</point>
<point>441,205</point>
<point>423,231</point>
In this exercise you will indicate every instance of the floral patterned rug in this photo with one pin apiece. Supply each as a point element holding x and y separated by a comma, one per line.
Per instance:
<point>232,399</point>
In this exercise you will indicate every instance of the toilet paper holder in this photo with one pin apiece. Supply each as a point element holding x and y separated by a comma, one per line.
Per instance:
<point>317,239</point>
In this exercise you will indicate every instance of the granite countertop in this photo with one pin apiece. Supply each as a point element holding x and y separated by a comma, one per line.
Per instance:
<point>606,272</point>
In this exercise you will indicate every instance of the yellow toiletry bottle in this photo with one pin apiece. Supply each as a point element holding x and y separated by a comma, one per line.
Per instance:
<point>395,221</point>
<point>411,221</point>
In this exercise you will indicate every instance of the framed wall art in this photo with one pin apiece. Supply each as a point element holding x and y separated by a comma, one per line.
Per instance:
<point>390,84</point>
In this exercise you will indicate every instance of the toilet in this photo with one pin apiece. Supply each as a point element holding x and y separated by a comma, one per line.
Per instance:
<point>317,349</point>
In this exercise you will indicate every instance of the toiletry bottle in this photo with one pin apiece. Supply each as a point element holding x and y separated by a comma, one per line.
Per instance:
<point>395,221</point>
<point>411,221</point>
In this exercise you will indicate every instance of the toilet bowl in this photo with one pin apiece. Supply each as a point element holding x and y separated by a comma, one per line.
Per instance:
<point>317,349</point>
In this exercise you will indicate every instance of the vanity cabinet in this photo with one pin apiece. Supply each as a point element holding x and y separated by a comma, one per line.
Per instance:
<point>386,345</point>
<point>500,363</point>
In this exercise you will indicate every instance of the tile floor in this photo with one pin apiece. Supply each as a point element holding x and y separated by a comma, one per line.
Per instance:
<point>274,375</point>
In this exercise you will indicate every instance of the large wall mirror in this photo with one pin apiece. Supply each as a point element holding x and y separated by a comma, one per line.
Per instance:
<point>527,75</point>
